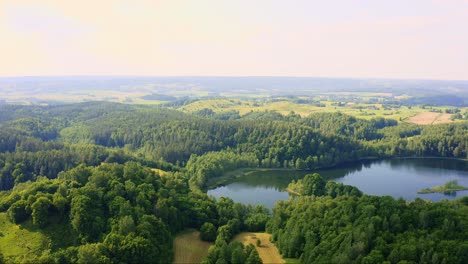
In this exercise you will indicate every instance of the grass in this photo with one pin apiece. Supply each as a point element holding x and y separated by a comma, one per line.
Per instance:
<point>450,186</point>
<point>25,240</point>
<point>189,248</point>
<point>19,240</point>
<point>267,250</point>
<point>217,105</point>
<point>292,261</point>
<point>367,111</point>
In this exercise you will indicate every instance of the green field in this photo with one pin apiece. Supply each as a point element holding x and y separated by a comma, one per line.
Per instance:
<point>23,241</point>
<point>360,110</point>
<point>20,240</point>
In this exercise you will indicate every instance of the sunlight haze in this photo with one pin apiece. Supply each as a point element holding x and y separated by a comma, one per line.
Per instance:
<point>387,39</point>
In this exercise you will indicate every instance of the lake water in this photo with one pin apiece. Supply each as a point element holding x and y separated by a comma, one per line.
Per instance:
<point>398,178</point>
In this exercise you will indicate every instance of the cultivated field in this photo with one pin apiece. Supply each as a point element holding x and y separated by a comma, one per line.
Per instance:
<point>415,114</point>
<point>267,250</point>
<point>360,110</point>
<point>189,248</point>
<point>429,118</point>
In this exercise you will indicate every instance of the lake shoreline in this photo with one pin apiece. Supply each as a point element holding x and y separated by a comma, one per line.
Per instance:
<point>442,191</point>
<point>448,187</point>
<point>231,176</point>
<point>426,157</point>
<point>292,192</point>
<point>399,178</point>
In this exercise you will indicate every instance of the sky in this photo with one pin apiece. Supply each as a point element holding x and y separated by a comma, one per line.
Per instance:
<point>405,39</point>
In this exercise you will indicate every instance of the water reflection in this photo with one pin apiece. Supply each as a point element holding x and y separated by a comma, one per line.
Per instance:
<point>397,178</point>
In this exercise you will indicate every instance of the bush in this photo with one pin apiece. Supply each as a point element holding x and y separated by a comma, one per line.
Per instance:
<point>208,232</point>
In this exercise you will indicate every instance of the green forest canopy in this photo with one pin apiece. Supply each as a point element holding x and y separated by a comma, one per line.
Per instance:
<point>84,168</point>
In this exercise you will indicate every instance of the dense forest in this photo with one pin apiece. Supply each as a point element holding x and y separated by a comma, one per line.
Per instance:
<point>115,213</point>
<point>91,170</point>
<point>329,224</point>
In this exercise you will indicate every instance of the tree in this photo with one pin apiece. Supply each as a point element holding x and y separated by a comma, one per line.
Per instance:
<point>134,249</point>
<point>313,185</point>
<point>208,232</point>
<point>300,164</point>
<point>224,233</point>
<point>40,210</point>
<point>157,233</point>
<point>126,225</point>
<point>92,253</point>
<point>253,257</point>
<point>374,257</point>
<point>256,222</point>
<point>86,217</point>
<point>238,256</point>
<point>18,211</point>
<point>19,174</point>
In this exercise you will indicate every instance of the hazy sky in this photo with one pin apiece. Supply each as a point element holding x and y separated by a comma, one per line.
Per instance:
<point>347,38</point>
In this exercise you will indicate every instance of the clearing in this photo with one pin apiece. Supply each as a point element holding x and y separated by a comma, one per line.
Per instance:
<point>428,118</point>
<point>285,106</point>
<point>267,250</point>
<point>15,240</point>
<point>189,248</point>
<point>160,172</point>
<point>20,242</point>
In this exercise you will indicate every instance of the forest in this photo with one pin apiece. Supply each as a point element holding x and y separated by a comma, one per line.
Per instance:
<point>88,177</point>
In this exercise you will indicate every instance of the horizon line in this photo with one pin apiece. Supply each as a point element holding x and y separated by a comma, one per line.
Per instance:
<point>225,76</point>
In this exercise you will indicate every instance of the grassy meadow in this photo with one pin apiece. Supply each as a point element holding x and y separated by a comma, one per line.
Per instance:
<point>26,240</point>
<point>267,250</point>
<point>417,115</point>
<point>189,248</point>
<point>16,240</point>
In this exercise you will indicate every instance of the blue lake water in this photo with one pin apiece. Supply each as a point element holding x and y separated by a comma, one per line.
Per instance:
<point>397,178</point>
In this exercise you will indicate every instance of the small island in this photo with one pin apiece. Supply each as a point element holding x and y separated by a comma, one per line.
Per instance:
<point>448,187</point>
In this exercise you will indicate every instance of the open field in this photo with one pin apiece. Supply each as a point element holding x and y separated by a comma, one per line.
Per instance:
<point>429,118</point>
<point>267,250</point>
<point>421,115</point>
<point>15,240</point>
<point>359,110</point>
<point>443,119</point>
<point>189,248</point>
<point>26,240</point>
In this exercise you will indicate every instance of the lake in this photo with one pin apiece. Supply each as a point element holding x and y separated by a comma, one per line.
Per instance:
<point>398,178</point>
